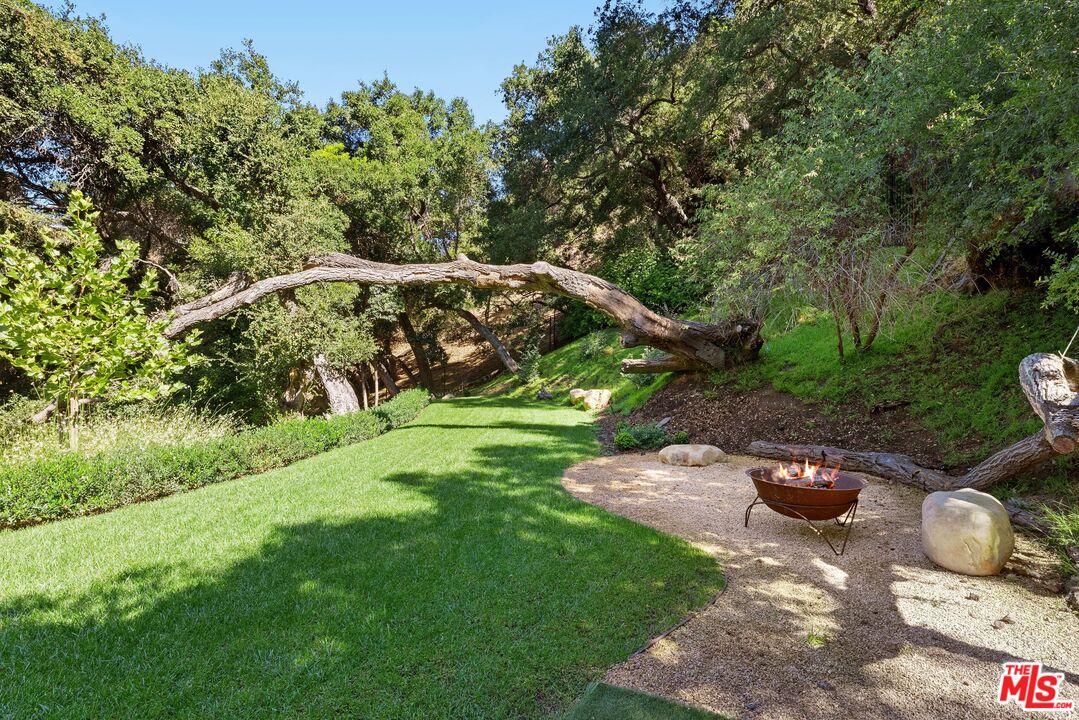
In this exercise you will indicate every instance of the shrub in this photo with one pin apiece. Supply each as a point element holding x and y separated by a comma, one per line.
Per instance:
<point>591,346</point>
<point>648,436</point>
<point>65,484</point>
<point>530,365</point>
<point>680,438</point>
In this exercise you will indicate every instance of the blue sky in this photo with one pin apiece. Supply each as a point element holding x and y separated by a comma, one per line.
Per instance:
<point>454,48</point>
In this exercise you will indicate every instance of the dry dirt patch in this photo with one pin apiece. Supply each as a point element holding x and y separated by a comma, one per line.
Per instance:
<point>799,633</point>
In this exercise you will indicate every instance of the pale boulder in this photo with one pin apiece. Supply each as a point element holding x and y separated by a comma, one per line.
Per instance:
<point>691,455</point>
<point>967,532</point>
<point>597,399</point>
<point>590,399</point>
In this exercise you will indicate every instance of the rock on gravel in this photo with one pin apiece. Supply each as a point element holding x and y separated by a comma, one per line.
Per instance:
<point>967,532</point>
<point>691,455</point>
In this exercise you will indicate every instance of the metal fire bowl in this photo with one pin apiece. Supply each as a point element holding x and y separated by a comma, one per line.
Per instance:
<point>807,503</point>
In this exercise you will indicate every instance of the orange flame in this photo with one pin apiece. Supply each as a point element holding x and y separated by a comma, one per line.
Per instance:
<point>806,473</point>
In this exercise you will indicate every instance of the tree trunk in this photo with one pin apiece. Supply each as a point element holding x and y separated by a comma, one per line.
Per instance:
<point>427,378</point>
<point>1046,383</point>
<point>387,377</point>
<point>374,379</point>
<point>73,423</point>
<point>340,394</point>
<point>668,363</point>
<point>490,337</point>
<point>713,344</point>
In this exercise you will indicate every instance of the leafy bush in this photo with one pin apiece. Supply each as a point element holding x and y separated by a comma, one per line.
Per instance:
<point>67,483</point>
<point>530,365</point>
<point>680,438</point>
<point>647,437</point>
<point>591,346</point>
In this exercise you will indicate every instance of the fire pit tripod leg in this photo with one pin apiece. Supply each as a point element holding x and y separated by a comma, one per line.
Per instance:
<point>847,521</point>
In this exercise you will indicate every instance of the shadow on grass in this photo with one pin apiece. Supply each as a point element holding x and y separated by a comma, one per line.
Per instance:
<point>502,598</point>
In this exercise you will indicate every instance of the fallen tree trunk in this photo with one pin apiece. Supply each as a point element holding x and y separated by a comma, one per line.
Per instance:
<point>668,363</point>
<point>1047,383</point>
<point>713,345</point>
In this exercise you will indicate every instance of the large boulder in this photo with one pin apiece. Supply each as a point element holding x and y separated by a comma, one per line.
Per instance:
<point>691,455</point>
<point>967,532</point>
<point>590,399</point>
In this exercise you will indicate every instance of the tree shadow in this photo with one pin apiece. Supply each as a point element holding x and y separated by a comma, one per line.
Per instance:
<point>501,596</point>
<point>887,633</point>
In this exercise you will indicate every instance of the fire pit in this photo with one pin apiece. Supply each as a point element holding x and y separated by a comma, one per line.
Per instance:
<point>808,492</point>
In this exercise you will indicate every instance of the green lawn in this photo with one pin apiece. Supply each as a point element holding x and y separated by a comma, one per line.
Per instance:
<point>436,571</point>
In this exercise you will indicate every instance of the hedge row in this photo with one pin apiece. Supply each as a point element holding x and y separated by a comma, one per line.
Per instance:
<point>72,484</point>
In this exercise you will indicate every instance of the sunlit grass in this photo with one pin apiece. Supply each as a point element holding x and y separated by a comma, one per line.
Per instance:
<point>437,571</point>
<point>570,366</point>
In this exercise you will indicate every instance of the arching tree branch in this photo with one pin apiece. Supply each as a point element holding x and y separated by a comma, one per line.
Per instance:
<point>712,345</point>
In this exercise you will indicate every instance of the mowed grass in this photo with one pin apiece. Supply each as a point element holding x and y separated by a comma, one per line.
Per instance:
<point>437,571</point>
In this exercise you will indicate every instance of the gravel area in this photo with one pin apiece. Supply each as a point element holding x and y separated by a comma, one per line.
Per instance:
<point>800,633</point>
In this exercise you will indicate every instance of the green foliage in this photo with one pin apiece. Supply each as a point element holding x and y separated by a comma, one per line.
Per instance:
<point>680,438</point>
<point>647,436</point>
<point>952,358</point>
<point>591,347</point>
<point>63,484</point>
<point>70,321</point>
<point>935,137</point>
<point>531,368</point>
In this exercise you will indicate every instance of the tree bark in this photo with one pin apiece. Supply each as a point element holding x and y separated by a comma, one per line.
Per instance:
<point>340,394</point>
<point>490,337</point>
<point>1046,383</point>
<point>668,363</point>
<point>713,345</point>
<point>427,378</point>
<point>387,377</point>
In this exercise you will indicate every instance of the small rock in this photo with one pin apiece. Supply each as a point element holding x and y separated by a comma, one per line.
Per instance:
<point>576,396</point>
<point>825,685</point>
<point>664,421</point>
<point>448,396</point>
<point>752,706</point>
<point>1071,592</point>
<point>1007,620</point>
<point>998,625</point>
<point>691,455</point>
<point>973,596</point>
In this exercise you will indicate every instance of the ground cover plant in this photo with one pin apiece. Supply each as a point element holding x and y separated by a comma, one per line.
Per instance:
<point>436,571</point>
<point>61,484</point>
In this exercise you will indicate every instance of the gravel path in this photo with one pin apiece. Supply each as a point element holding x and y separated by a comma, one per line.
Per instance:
<point>901,637</point>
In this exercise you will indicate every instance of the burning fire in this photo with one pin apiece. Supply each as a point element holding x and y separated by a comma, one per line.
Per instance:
<point>815,476</point>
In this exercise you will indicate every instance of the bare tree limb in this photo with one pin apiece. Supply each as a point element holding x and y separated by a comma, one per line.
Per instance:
<point>1045,382</point>
<point>710,344</point>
